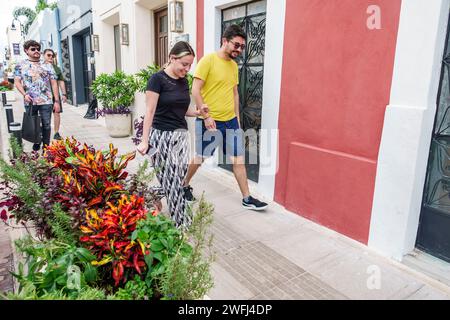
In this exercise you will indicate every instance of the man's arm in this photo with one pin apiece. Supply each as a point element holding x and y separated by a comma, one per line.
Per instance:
<point>236,104</point>
<point>19,86</point>
<point>197,86</point>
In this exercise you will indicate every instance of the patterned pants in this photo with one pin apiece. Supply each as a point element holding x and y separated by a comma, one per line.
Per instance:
<point>171,163</point>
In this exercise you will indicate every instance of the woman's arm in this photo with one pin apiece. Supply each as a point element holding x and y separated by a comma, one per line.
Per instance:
<point>62,86</point>
<point>151,100</point>
<point>194,112</point>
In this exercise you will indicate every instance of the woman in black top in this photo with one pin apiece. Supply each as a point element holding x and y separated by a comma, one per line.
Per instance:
<point>168,102</point>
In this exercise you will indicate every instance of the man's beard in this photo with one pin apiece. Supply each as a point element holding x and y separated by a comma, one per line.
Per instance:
<point>230,55</point>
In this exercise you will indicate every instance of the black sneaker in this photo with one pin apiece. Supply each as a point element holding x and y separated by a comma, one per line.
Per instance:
<point>36,146</point>
<point>254,204</point>
<point>57,136</point>
<point>188,194</point>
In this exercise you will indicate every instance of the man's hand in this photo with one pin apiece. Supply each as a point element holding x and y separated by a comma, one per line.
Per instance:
<point>56,107</point>
<point>210,124</point>
<point>64,98</point>
<point>204,110</point>
<point>28,99</point>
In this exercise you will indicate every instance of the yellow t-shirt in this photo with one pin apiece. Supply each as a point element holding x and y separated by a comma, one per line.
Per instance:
<point>220,76</point>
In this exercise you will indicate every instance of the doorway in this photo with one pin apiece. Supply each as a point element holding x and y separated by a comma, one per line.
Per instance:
<point>434,226</point>
<point>88,67</point>
<point>161,37</point>
<point>252,18</point>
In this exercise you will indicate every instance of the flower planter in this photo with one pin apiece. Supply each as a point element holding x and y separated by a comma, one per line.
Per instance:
<point>118,125</point>
<point>11,95</point>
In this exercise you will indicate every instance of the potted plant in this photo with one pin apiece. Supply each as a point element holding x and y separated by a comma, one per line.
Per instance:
<point>144,75</point>
<point>6,86</point>
<point>115,92</point>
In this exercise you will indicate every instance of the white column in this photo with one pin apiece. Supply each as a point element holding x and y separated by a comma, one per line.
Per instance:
<point>408,125</point>
<point>273,64</point>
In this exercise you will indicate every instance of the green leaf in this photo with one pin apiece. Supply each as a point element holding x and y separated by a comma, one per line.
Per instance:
<point>61,280</point>
<point>158,256</point>
<point>149,260</point>
<point>71,160</point>
<point>159,269</point>
<point>70,152</point>
<point>170,242</point>
<point>84,255</point>
<point>164,242</point>
<point>90,273</point>
<point>156,246</point>
<point>186,250</point>
<point>134,235</point>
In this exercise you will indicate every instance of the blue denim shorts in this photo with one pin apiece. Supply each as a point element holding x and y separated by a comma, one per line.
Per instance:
<point>228,137</point>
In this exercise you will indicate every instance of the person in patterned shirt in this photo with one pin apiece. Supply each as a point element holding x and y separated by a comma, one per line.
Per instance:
<point>36,81</point>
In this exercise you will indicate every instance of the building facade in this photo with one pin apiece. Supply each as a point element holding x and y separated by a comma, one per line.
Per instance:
<point>14,46</point>
<point>344,95</point>
<point>134,34</point>
<point>348,100</point>
<point>77,57</point>
<point>45,30</point>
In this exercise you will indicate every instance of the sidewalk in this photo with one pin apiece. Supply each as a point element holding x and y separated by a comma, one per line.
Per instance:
<point>274,254</point>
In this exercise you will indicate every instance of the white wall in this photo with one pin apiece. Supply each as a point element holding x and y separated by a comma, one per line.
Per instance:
<point>139,15</point>
<point>33,30</point>
<point>276,13</point>
<point>408,125</point>
<point>14,36</point>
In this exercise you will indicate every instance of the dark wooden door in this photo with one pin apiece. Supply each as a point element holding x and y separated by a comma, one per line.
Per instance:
<point>161,37</point>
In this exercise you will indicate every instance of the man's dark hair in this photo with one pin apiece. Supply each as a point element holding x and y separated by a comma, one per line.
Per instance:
<point>234,31</point>
<point>31,43</point>
<point>49,50</point>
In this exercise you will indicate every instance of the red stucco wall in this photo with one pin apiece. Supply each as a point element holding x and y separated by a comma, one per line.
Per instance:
<point>200,28</point>
<point>336,82</point>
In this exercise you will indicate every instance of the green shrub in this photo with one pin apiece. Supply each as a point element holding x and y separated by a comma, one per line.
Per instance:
<point>188,277</point>
<point>115,92</point>
<point>55,267</point>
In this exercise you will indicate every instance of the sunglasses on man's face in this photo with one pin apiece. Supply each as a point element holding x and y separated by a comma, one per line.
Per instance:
<point>237,45</point>
<point>35,49</point>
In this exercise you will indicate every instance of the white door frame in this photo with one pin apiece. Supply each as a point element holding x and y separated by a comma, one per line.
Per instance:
<point>273,62</point>
<point>408,125</point>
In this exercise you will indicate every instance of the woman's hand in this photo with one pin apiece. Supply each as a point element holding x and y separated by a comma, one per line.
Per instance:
<point>210,124</point>
<point>142,148</point>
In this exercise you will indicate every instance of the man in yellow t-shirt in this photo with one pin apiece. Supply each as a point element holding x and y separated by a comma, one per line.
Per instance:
<point>215,90</point>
